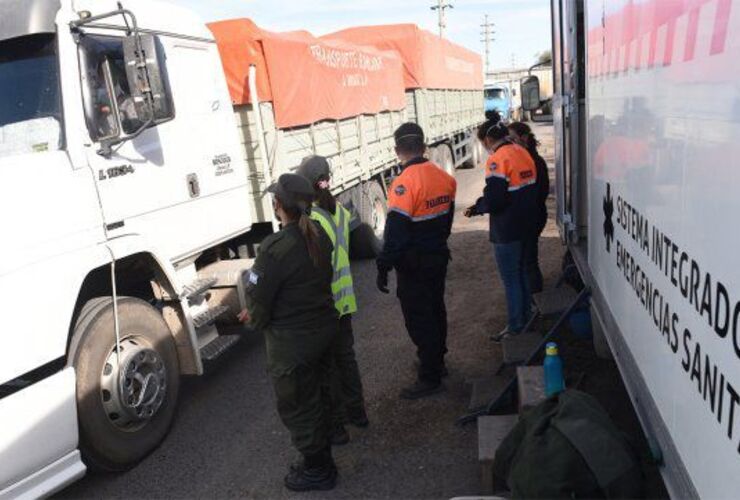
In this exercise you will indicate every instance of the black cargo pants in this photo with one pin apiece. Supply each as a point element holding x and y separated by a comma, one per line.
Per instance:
<point>299,362</point>
<point>346,383</point>
<point>421,290</point>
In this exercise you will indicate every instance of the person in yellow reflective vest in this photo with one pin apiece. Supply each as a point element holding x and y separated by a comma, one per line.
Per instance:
<point>348,403</point>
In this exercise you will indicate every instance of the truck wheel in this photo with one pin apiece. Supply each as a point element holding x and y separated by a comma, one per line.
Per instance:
<point>448,161</point>
<point>442,156</point>
<point>478,153</point>
<point>366,241</point>
<point>483,153</point>
<point>125,402</point>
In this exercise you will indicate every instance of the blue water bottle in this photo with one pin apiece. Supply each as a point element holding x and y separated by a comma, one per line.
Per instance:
<point>553,370</point>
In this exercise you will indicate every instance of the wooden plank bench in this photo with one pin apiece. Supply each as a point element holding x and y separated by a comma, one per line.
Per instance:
<point>531,386</point>
<point>492,430</point>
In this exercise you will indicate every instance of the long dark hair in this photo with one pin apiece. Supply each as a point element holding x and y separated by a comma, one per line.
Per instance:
<point>525,132</point>
<point>493,128</point>
<point>308,229</point>
<point>324,198</point>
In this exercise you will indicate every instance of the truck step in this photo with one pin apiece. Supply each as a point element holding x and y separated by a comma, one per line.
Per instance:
<point>492,430</point>
<point>517,348</point>
<point>555,301</point>
<point>485,389</point>
<point>206,318</point>
<point>531,386</point>
<point>227,273</point>
<point>198,287</point>
<point>216,348</point>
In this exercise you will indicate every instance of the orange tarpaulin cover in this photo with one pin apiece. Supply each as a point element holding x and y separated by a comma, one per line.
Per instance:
<point>429,61</point>
<point>306,78</point>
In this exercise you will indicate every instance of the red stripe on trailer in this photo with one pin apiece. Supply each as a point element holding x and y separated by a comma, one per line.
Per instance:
<point>719,38</point>
<point>645,35</point>
<point>670,37</point>
<point>653,48</point>
<point>626,60</point>
<point>691,34</point>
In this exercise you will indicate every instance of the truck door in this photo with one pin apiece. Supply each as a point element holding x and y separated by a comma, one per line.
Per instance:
<point>135,178</point>
<point>179,184</point>
<point>569,102</point>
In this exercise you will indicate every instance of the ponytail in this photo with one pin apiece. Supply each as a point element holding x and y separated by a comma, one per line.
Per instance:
<point>324,199</point>
<point>525,132</point>
<point>300,211</point>
<point>493,128</point>
<point>311,234</point>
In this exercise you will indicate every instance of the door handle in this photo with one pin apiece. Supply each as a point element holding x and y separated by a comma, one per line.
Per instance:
<point>193,185</point>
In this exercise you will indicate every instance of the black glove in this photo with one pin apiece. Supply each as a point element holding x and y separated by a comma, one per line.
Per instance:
<point>382,280</point>
<point>471,211</point>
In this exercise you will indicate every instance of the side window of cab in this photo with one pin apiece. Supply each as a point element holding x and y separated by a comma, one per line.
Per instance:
<point>112,110</point>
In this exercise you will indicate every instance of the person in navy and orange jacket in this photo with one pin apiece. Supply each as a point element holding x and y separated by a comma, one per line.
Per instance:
<point>522,134</point>
<point>511,198</point>
<point>421,207</point>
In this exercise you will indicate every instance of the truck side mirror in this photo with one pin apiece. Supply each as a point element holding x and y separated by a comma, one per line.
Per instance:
<point>530,93</point>
<point>147,78</point>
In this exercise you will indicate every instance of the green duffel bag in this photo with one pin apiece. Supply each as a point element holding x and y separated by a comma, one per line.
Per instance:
<point>568,447</point>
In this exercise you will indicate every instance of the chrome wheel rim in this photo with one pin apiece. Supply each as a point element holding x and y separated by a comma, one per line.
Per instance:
<point>133,387</point>
<point>379,217</point>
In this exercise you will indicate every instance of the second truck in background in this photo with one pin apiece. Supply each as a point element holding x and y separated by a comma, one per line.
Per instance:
<point>342,96</point>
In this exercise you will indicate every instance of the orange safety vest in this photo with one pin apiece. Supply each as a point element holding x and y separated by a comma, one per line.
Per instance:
<point>514,164</point>
<point>422,192</point>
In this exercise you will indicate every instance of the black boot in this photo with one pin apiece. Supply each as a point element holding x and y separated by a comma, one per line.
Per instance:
<point>358,417</point>
<point>338,435</point>
<point>421,389</point>
<point>316,472</point>
<point>443,372</point>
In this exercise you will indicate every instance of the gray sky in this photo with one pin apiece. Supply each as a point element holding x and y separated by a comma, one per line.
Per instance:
<point>522,26</point>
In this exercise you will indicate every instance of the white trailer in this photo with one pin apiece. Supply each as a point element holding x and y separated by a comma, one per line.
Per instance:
<point>449,118</point>
<point>646,118</point>
<point>361,152</point>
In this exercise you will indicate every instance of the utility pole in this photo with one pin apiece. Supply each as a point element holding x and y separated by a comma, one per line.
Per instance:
<point>440,8</point>
<point>487,34</point>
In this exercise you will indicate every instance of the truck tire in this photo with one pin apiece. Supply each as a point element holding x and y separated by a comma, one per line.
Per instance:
<point>126,410</point>
<point>442,156</point>
<point>478,153</point>
<point>366,241</point>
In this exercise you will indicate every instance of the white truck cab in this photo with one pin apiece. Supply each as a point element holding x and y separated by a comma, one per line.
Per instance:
<point>123,178</point>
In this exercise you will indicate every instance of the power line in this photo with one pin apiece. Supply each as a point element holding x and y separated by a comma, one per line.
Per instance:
<point>487,34</point>
<point>441,7</point>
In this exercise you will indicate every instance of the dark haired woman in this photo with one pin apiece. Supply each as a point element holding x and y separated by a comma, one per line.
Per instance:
<point>510,198</point>
<point>522,135</point>
<point>289,298</point>
<point>348,403</point>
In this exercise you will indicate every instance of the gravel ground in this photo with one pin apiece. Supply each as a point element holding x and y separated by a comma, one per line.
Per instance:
<point>227,440</point>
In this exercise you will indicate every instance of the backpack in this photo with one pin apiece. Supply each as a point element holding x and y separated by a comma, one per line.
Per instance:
<point>568,447</point>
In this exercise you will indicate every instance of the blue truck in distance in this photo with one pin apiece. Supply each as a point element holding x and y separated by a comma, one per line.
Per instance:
<point>498,97</point>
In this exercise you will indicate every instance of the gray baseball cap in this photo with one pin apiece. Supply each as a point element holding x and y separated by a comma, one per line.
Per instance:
<point>314,168</point>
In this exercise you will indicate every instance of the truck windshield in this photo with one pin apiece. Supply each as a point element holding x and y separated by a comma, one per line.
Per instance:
<point>30,98</point>
<point>494,94</point>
